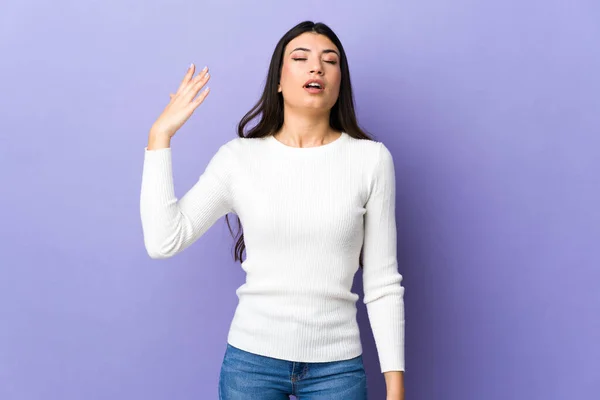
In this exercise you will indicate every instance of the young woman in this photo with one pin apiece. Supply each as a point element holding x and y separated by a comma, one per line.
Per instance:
<point>316,198</point>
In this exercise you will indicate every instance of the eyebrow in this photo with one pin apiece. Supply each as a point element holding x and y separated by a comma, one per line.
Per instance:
<point>324,51</point>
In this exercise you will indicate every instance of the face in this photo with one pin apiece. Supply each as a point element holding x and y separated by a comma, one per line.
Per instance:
<point>310,56</point>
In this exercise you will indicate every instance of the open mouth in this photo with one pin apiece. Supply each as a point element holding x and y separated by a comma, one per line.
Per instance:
<point>314,87</point>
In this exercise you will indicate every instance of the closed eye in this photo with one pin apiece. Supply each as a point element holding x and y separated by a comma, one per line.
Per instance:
<point>304,59</point>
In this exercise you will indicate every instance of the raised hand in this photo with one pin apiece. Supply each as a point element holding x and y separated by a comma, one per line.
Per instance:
<point>182,104</point>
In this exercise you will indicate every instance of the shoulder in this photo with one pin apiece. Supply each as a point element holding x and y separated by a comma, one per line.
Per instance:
<point>376,162</point>
<point>235,152</point>
<point>233,147</point>
<point>374,151</point>
<point>240,144</point>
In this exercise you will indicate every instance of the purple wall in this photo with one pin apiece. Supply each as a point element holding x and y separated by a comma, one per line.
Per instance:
<point>491,110</point>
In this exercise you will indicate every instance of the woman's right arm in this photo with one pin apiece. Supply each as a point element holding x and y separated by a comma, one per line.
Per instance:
<point>170,225</point>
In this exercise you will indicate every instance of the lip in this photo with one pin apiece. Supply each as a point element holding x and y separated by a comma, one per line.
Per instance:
<point>319,81</point>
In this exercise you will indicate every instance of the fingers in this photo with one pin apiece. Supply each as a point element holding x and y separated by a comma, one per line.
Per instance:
<point>188,75</point>
<point>189,88</point>
<point>194,86</point>
<point>198,100</point>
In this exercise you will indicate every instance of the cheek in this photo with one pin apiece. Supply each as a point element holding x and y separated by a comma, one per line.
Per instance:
<point>284,72</point>
<point>337,82</point>
<point>288,73</point>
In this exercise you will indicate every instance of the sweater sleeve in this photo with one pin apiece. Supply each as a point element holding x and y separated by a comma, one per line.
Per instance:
<point>383,292</point>
<point>170,225</point>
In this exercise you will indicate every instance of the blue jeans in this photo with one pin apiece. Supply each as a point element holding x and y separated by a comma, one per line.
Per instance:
<point>250,376</point>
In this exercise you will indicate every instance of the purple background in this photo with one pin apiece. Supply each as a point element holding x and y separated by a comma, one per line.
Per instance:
<point>490,108</point>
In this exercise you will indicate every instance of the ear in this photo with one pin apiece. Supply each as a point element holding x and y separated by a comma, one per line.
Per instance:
<point>279,88</point>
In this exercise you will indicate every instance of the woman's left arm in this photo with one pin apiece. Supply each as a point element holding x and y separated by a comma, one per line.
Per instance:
<point>394,382</point>
<point>383,291</point>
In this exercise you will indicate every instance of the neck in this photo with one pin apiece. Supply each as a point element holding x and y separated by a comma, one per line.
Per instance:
<point>301,130</point>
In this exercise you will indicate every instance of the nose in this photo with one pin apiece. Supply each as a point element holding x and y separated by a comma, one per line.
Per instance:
<point>317,68</point>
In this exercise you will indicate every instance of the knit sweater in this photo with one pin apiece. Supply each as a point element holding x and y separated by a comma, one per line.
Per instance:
<point>306,212</point>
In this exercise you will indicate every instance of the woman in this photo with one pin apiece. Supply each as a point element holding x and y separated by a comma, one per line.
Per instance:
<point>316,198</point>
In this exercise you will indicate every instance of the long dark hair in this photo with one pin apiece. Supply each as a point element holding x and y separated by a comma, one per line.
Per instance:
<point>269,108</point>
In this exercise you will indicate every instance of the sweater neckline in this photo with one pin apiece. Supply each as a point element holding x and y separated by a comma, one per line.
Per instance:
<point>321,147</point>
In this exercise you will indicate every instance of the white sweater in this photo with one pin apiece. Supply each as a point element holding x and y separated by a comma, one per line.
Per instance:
<point>306,213</point>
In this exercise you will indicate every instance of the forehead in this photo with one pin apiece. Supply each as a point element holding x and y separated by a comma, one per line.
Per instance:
<point>312,41</point>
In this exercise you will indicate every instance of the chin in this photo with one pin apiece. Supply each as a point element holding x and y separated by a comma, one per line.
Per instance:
<point>312,104</point>
<point>316,103</point>
<point>317,109</point>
